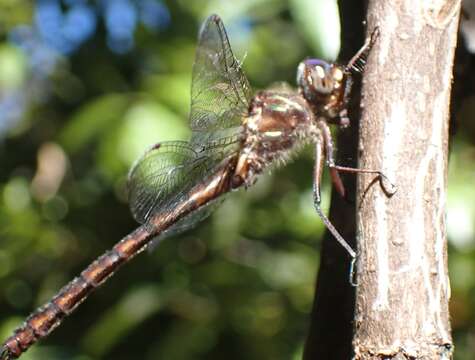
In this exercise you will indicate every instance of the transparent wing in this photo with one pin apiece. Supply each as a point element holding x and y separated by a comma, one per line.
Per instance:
<point>220,99</point>
<point>220,92</point>
<point>163,174</point>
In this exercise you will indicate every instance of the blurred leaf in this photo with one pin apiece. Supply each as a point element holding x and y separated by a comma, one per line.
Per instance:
<point>114,325</point>
<point>93,120</point>
<point>319,22</point>
<point>145,123</point>
<point>12,68</point>
<point>186,340</point>
<point>230,10</point>
<point>172,90</point>
<point>15,12</point>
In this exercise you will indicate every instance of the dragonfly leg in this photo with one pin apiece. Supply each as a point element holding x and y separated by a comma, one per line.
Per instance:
<point>343,120</point>
<point>358,61</point>
<point>319,162</point>
<point>357,64</point>
<point>388,187</point>
<point>328,145</point>
<point>353,281</point>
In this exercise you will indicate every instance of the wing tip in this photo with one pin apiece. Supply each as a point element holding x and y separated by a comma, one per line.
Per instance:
<point>214,18</point>
<point>210,20</point>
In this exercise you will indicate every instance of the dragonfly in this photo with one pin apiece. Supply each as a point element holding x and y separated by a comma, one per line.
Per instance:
<point>235,137</point>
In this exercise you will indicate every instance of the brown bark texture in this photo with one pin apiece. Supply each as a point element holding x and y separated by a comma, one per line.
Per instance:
<point>403,286</point>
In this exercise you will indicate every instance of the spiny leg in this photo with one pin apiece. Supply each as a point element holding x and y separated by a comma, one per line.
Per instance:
<point>358,61</point>
<point>328,146</point>
<point>335,169</point>
<point>343,120</point>
<point>325,152</point>
<point>356,64</point>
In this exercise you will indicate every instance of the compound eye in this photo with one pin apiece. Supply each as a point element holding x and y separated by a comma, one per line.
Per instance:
<point>319,71</point>
<point>322,80</point>
<point>338,74</point>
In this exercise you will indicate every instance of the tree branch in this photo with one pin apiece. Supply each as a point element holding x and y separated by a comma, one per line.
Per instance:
<point>403,292</point>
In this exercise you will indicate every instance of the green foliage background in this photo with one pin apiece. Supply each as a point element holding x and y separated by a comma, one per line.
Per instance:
<point>240,286</point>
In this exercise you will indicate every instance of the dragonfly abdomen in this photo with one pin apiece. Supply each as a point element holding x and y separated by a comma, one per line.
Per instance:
<point>43,321</point>
<point>49,316</point>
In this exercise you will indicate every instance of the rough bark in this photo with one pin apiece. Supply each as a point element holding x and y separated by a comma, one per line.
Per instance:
<point>403,292</point>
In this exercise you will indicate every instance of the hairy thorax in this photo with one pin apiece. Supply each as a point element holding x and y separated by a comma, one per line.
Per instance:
<point>278,123</point>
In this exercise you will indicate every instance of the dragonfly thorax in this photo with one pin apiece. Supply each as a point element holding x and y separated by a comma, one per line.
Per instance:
<point>323,86</point>
<point>278,123</point>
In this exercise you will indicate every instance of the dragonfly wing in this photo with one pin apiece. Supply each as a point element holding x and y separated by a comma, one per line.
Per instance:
<point>220,96</point>
<point>220,92</point>
<point>166,172</point>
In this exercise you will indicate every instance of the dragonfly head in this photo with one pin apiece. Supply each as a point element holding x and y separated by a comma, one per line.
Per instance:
<point>323,85</point>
